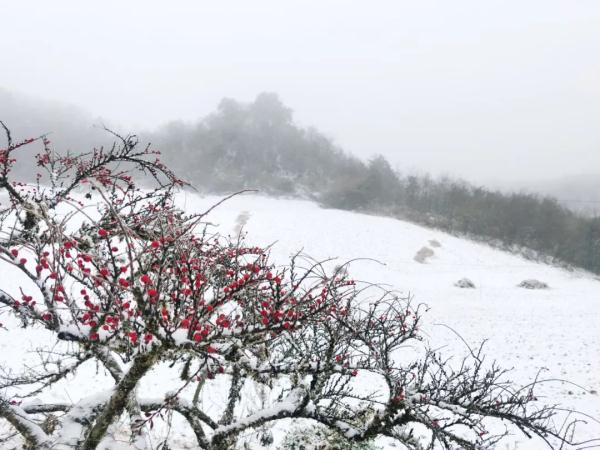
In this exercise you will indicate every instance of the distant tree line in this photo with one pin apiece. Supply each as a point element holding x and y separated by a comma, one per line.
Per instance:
<point>257,145</point>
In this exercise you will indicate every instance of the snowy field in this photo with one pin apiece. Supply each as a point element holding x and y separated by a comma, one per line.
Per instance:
<point>556,329</point>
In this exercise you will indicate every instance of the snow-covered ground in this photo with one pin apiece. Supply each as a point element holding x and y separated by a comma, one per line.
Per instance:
<point>555,329</point>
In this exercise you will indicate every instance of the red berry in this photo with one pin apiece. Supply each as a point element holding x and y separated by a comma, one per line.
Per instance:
<point>146,279</point>
<point>102,232</point>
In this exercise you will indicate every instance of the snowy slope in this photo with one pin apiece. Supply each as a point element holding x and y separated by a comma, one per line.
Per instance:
<point>556,329</point>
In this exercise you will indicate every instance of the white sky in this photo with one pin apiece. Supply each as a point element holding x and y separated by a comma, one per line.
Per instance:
<point>486,89</point>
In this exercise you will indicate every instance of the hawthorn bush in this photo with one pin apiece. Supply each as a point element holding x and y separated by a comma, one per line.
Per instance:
<point>122,277</point>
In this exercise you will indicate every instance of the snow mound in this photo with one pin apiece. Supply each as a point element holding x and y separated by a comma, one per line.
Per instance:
<point>533,284</point>
<point>465,283</point>
<point>423,255</point>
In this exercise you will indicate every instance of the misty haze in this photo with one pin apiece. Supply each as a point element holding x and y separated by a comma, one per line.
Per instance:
<point>300,225</point>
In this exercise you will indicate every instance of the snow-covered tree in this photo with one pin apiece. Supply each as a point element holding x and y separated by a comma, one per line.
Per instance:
<point>122,277</point>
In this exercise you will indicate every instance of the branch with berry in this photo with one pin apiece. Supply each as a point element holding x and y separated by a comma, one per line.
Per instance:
<point>119,275</point>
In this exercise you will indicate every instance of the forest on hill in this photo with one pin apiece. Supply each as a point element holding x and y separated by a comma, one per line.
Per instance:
<point>258,145</point>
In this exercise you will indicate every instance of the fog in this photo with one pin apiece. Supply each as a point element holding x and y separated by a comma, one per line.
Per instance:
<point>503,93</point>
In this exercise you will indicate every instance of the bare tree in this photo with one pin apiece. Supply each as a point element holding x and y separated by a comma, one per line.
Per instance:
<point>123,277</point>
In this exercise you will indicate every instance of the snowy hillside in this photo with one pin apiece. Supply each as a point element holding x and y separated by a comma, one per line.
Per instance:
<point>555,329</point>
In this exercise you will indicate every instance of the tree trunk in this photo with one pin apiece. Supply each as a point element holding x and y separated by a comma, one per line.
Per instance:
<point>119,400</point>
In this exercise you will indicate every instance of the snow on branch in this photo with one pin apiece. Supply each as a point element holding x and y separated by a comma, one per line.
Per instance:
<point>18,418</point>
<point>121,277</point>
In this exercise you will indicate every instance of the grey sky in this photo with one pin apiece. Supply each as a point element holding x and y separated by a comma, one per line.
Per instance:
<point>487,89</point>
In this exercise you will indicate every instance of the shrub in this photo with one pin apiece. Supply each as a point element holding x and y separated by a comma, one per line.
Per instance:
<point>140,283</point>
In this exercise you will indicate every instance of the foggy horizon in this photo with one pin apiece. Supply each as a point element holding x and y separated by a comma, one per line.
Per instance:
<point>500,94</point>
